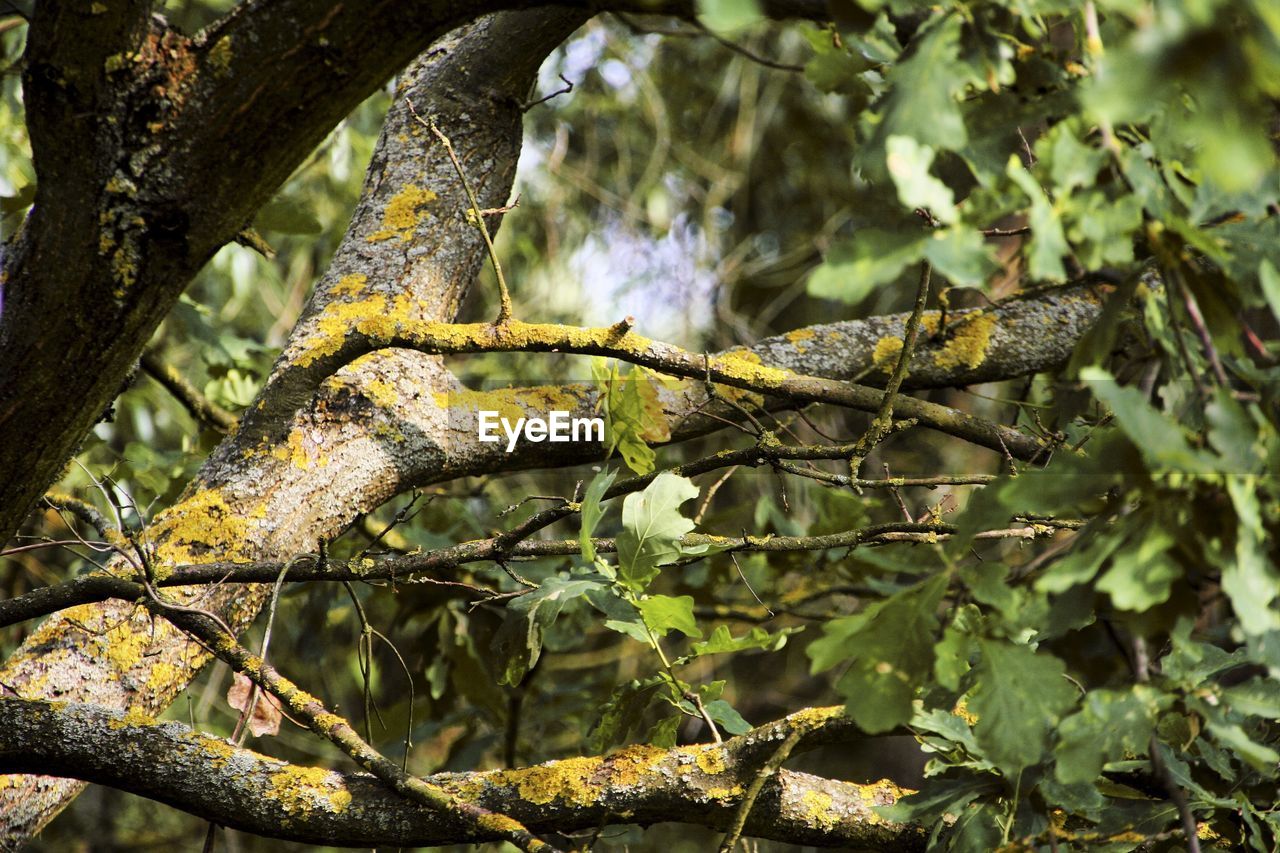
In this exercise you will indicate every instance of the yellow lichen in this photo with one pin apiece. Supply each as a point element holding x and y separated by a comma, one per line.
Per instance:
<point>711,760</point>
<point>116,61</point>
<point>628,766</point>
<point>882,793</point>
<point>569,780</point>
<point>300,451</point>
<point>884,357</point>
<point>401,216</point>
<point>217,750</point>
<point>817,808</point>
<point>797,338</point>
<point>132,717</point>
<point>745,364</point>
<point>163,674</point>
<point>119,185</point>
<point>123,645</point>
<point>350,285</point>
<point>370,316</point>
<point>886,352</point>
<point>202,526</point>
<point>967,343</point>
<point>731,793</point>
<point>220,56</point>
<point>509,403</point>
<point>498,823</point>
<point>382,393</point>
<point>124,266</point>
<point>962,711</point>
<point>301,790</point>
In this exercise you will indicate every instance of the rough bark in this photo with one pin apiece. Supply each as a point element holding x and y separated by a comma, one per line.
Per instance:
<point>242,789</point>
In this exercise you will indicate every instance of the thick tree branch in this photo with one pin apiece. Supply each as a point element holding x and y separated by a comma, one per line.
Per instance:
<point>239,788</point>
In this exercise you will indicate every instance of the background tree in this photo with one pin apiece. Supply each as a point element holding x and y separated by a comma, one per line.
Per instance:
<point>1023,531</point>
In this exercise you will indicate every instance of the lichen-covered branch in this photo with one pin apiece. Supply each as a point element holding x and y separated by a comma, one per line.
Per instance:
<point>350,330</point>
<point>243,789</point>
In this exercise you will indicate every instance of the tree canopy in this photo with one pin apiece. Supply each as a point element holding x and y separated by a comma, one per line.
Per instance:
<point>936,349</point>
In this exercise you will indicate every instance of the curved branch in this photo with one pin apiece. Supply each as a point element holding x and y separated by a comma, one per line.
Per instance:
<point>208,777</point>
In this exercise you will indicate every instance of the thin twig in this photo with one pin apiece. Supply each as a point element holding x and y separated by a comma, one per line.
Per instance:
<point>475,215</point>
<point>568,87</point>
<point>749,54</point>
<point>1142,674</point>
<point>201,407</point>
<point>767,770</point>
<point>883,421</point>
<point>339,732</point>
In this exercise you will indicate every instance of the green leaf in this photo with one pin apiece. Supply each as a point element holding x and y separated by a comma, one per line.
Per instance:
<point>728,15</point>
<point>855,268</point>
<point>1161,441</point>
<point>1269,278</point>
<point>1258,697</point>
<point>633,414</point>
<point>1258,756</point>
<point>722,641</point>
<point>941,797</point>
<point>625,712</point>
<point>1071,162</point>
<point>960,254</point>
<point>923,89</point>
<point>284,216</point>
<point>1048,242</point>
<point>1142,573</point>
<point>908,164</point>
<point>663,734</point>
<point>1252,580</point>
<point>651,529</point>
<point>592,512</point>
<point>835,68</point>
<point>727,717</point>
<point>1190,662</point>
<point>1018,696</point>
<point>663,613</point>
<point>1082,562</point>
<point>1109,725</point>
<point>890,650</point>
<point>528,618</point>
<point>1103,228</point>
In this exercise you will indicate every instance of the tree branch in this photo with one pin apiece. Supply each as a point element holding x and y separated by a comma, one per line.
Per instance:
<point>208,777</point>
<point>352,330</point>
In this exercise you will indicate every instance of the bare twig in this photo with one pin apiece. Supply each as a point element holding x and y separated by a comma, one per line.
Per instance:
<point>201,407</point>
<point>475,213</point>
<point>339,732</point>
